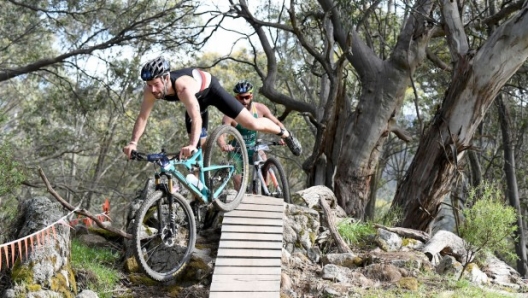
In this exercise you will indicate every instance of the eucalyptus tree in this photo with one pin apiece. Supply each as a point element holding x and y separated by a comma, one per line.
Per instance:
<point>36,35</point>
<point>478,75</point>
<point>350,124</point>
<point>350,137</point>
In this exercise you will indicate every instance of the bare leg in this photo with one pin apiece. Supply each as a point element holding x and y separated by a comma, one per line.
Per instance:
<point>247,120</point>
<point>237,180</point>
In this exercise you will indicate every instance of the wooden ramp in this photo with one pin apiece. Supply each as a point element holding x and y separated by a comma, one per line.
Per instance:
<point>249,255</point>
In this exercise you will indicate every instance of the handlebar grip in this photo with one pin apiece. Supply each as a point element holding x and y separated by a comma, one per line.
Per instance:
<point>134,155</point>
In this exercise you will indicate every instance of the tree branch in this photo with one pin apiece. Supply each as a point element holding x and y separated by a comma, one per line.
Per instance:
<point>82,211</point>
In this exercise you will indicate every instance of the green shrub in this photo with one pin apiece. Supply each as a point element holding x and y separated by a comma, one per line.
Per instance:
<point>489,224</point>
<point>355,232</point>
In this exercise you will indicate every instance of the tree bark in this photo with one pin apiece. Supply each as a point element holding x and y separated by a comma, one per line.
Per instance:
<point>476,81</point>
<point>383,88</point>
<point>511,182</point>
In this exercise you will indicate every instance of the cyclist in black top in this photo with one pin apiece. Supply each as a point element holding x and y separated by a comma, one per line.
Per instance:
<point>197,90</point>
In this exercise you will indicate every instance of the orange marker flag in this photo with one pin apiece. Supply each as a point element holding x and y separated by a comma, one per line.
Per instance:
<point>31,239</point>
<point>54,232</point>
<point>106,206</point>
<point>26,242</point>
<point>0,259</point>
<point>19,242</point>
<point>48,233</point>
<point>38,239</point>
<point>12,253</point>
<point>6,255</point>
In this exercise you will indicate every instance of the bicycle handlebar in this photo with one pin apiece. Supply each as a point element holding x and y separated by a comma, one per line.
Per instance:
<point>152,157</point>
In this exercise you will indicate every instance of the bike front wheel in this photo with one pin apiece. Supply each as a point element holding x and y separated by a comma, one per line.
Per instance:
<point>275,179</point>
<point>228,171</point>
<point>164,235</point>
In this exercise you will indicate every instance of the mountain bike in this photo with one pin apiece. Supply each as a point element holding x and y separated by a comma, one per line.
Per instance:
<point>165,225</point>
<point>269,177</point>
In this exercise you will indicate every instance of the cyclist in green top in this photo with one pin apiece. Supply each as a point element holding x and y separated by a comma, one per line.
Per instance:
<point>244,94</point>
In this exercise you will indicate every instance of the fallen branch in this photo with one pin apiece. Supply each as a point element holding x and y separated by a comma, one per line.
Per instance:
<point>81,211</point>
<point>341,244</point>
<point>406,233</point>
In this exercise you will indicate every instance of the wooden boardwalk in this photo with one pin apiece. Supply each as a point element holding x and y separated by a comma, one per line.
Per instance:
<point>248,263</point>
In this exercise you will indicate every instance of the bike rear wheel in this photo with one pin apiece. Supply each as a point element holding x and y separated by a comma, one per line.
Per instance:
<point>231,195</point>
<point>275,179</point>
<point>164,235</point>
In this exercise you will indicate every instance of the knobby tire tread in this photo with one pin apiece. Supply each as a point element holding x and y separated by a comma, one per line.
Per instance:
<point>282,175</point>
<point>150,201</point>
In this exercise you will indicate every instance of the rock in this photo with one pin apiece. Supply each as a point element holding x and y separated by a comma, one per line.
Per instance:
<point>286,283</point>
<point>47,265</point>
<point>334,273</point>
<point>388,241</point>
<point>93,240</point>
<point>349,260</point>
<point>448,265</point>
<point>476,275</point>
<point>382,272</point>
<point>87,294</point>
<point>301,226</point>
<point>310,197</point>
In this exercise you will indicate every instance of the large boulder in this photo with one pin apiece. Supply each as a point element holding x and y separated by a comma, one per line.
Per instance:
<point>44,269</point>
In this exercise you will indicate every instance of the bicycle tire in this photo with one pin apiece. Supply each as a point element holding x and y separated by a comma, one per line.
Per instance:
<point>279,172</point>
<point>213,155</point>
<point>160,257</point>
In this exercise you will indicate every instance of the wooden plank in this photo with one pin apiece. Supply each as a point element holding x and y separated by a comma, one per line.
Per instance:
<point>252,221</point>
<point>250,244</point>
<point>246,286</point>
<point>255,207</point>
<point>245,294</point>
<point>223,270</point>
<point>246,278</point>
<point>250,236</point>
<point>251,229</point>
<point>247,262</point>
<point>250,253</point>
<point>262,200</point>
<point>254,214</point>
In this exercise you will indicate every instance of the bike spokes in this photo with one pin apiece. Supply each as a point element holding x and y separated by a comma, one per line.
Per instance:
<point>227,171</point>
<point>164,236</point>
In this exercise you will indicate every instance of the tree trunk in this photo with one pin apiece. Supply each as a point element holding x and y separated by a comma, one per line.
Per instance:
<point>383,83</point>
<point>476,82</point>
<point>511,181</point>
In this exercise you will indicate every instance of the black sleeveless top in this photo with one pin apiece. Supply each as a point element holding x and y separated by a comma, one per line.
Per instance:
<point>174,75</point>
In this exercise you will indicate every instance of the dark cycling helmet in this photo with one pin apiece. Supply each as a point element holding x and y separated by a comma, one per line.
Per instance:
<point>243,87</point>
<point>155,68</point>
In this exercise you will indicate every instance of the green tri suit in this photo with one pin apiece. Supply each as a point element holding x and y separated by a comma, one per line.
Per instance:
<point>250,139</point>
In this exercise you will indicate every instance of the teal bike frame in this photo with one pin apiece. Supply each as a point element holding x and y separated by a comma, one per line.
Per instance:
<point>193,163</point>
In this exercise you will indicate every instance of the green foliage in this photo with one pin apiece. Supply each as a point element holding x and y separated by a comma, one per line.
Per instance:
<point>11,173</point>
<point>355,233</point>
<point>489,224</point>
<point>100,263</point>
<point>387,215</point>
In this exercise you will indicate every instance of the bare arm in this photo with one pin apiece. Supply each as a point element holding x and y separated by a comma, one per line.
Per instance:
<point>221,142</point>
<point>187,88</point>
<point>144,113</point>
<point>141,121</point>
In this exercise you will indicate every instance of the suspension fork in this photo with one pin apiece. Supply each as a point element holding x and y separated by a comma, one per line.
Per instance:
<point>167,189</point>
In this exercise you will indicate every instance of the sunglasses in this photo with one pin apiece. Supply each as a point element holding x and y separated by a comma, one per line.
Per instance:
<point>244,97</point>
